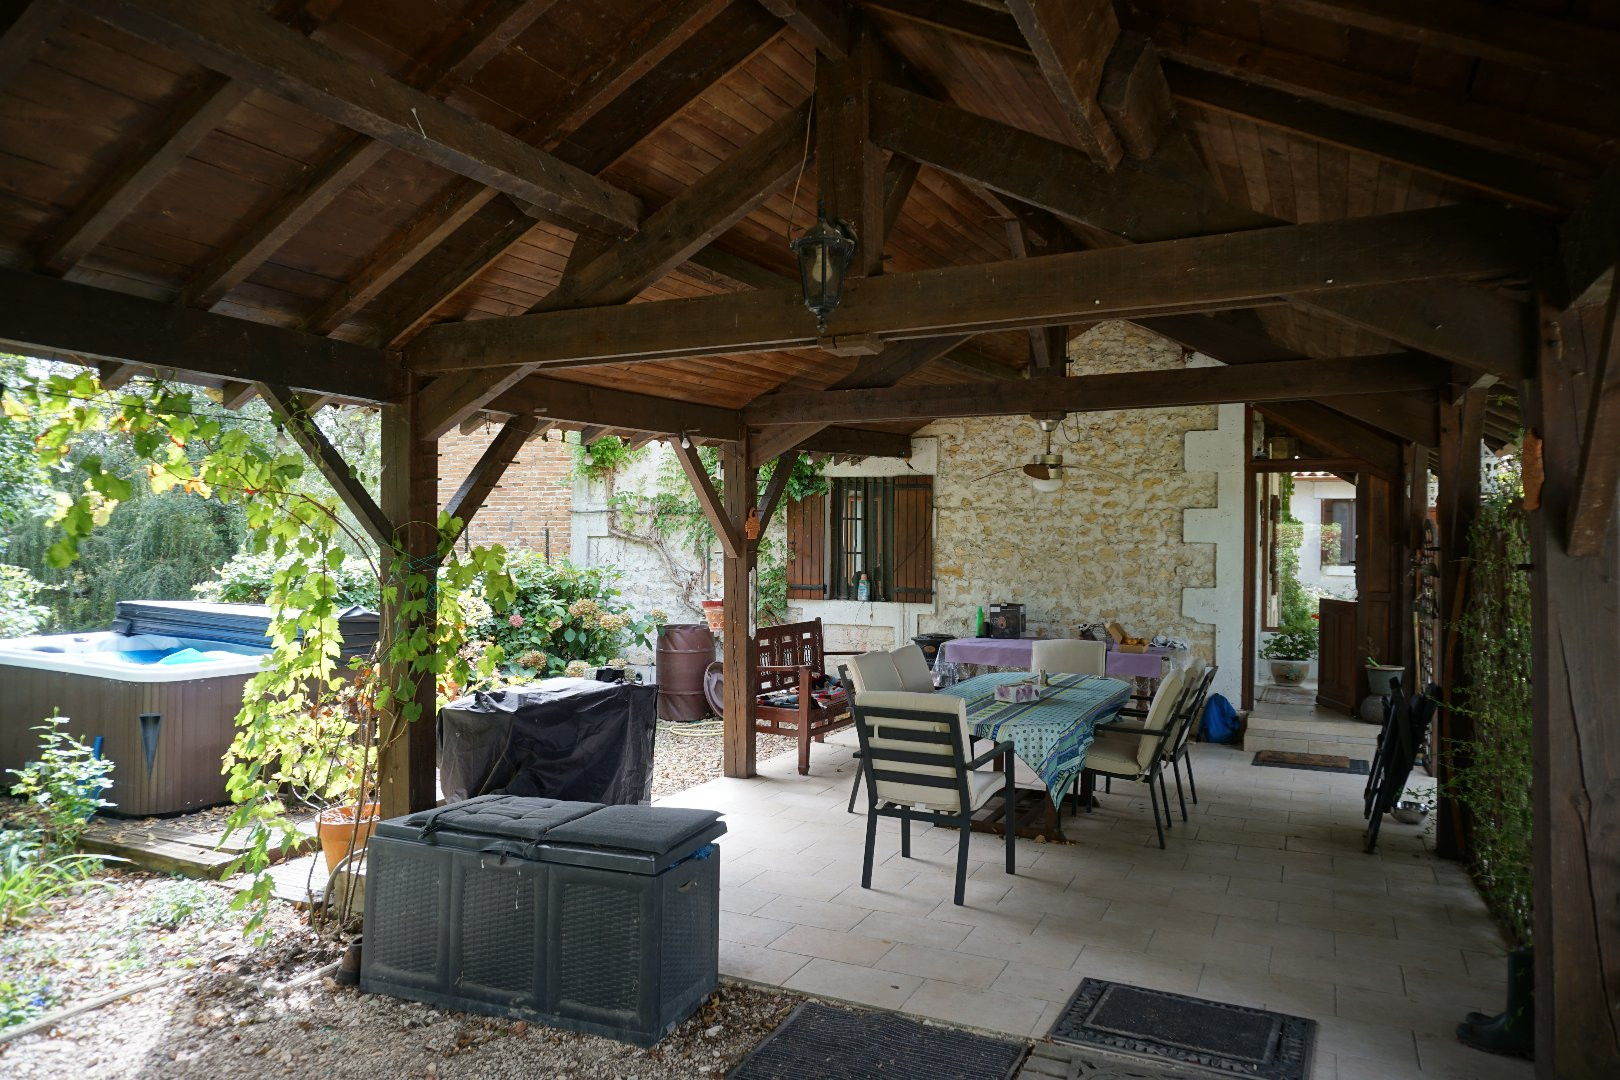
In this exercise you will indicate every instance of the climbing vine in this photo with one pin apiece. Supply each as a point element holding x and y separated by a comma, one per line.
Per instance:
<point>307,727</point>
<point>1493,770</point>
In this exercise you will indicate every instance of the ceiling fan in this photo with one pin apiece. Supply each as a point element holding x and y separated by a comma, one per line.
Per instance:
<point>1047,470</point>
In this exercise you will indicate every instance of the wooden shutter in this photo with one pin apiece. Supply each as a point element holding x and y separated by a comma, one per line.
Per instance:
<point>807,548</point>
<point>914,539</point>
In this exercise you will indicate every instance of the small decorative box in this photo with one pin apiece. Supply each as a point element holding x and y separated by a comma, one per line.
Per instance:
<point>1018,692</point>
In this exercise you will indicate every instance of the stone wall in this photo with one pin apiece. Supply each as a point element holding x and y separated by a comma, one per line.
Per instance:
<point>1109,546</point>
<point>533,500</point>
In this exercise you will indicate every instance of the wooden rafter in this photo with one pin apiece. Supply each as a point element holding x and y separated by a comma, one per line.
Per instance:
<point>844,441</point>
<point>774,490</point>
<point>237,41</point>
<point>1589,243</point>
<point>726,529</point>
<point>583,403</point>
<point>824,22</point>
<point>1134,95</point>
<point>849,168</point>
<point>1071,40</point>
<point>1343,436</point>
<point>115,376</point>
<point>1205,272</point>
<point>1470,324</point>
<point>54,318</point>
<point>301,426</point>
<point>1276,381</point>
<point>673,233</point>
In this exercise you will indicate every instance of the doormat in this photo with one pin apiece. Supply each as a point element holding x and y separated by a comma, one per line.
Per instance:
<point>1288,695</point>
<point>821,1042</point>
<point>1185,1030</point>
<point>1287,759</point>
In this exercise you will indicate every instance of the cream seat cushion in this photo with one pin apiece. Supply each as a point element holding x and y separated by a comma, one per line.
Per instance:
<point>913,668</point>
<point>1070,656</point>
<point>874,671</point>
<point>949,709</point>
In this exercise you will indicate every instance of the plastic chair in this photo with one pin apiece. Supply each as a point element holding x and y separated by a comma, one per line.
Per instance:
<point>1128,750</point>
<point>1070,656</point>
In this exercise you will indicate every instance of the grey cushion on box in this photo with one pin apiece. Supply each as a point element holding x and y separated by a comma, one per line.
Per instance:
<point>502,815</point>
<point>654,829</point>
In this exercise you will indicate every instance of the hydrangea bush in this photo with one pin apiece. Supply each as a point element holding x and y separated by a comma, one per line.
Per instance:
<point>565,620</point>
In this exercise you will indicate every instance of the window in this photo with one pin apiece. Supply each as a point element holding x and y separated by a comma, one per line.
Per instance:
<point>882,527</point>
<point>1338,532</point>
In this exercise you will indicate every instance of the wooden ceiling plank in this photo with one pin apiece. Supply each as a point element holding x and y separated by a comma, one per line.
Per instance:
<point>681,228</point>
<point>1324,426</point>
<point>1071,40</point>
<point>24,26</point>
<point>1519,39</point>
<point>239,42</point>
<point>824,23</point>
<point>1272,381</point>
<point>560,401</point>
<point>1471,166</point>
<point>300,424</point>
<point>50,317</point>
<point>491,465</point>
<point>1589,243</point>
<point>1196,273</point>
<point>1591,514</point>
<point>724,527</point>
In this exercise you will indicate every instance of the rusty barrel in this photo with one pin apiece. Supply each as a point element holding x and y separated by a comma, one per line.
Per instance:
<point>685,651</point>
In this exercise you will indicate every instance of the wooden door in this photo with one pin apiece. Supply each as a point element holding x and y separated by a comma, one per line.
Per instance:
<point>1337,665</point>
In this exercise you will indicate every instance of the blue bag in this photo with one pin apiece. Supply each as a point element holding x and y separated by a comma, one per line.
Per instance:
<point>1220,720</point>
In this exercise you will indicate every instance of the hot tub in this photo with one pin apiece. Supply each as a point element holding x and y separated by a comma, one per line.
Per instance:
<point>164,707</point>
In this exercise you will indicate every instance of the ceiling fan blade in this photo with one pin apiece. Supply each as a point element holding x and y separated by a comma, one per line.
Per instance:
<point>1041,471</point>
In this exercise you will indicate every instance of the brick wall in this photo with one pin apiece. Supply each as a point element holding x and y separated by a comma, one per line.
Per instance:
<point>535,494</point>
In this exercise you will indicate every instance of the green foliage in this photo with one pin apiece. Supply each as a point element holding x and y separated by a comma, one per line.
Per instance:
<point>1296,605</point>
<point>563,619</point>
<point>184,900</point>
<point>302,727</point>
<point>1493,771</point>
<point>21,489</point>
<point>20,616</point>
<point>604,457</point>
<point>32,878</point>
<point>1332,543</point>
<point>1292,643</point>
<point>63,787</point>
<point>23,999</point>
<point>250,575</point>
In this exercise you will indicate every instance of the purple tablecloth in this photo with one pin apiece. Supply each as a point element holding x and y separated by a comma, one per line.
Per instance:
<point>1015,653</point>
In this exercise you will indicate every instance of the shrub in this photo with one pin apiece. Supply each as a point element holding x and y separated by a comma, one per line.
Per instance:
<point>563,614</point>
<point>248,578</point>
<point>23,999</point>
<point>63,787</point>
<point>19,615</point>
<point>31,878</point>
<point>184,900</point>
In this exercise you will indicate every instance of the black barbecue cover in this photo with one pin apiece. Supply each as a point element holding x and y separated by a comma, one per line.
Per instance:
<point>574,739</point>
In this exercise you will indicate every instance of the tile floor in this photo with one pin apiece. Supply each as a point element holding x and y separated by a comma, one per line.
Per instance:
<point>1263,898</point>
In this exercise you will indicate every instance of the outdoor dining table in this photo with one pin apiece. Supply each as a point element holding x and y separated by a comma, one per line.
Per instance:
<point>1016,652</point>
<point>1050,735</point>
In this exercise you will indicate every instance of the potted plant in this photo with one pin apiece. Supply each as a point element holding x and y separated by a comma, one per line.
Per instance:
<point>346,823</point>
<point>1380,675</point>
<point>1290,651</point>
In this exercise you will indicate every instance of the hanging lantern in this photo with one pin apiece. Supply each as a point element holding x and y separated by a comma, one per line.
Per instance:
<point>824,252</point>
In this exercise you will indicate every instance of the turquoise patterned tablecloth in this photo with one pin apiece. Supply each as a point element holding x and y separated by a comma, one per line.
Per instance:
<point>1050,735</point>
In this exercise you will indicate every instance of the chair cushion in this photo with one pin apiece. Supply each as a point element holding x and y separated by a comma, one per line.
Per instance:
<point>1070,656</point>
<point>1115,753</point>
<point>912,666</point>
<point>1162,714</point>
<point>982,785</point>
<point>874,671</point>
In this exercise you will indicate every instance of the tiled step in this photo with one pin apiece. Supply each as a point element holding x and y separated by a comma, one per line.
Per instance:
<point>1317,735</point>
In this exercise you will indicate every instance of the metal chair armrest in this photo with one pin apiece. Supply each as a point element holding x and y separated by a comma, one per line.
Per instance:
<point>1130,729</point>
<point>991,754</point>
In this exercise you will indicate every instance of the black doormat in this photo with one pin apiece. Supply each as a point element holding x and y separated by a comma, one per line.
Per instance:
<point>1186,1030</point>
<point>1287,759</point>
<point>820,1042</point>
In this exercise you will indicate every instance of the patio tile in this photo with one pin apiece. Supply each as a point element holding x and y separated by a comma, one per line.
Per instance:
<point>1233,867</point>
<point>743,900</point>
<point>793,909</point>
<point>1139,969</point>
<point>864,985</point>
<point>1114,935</point>
<point>1343,970</point>
<point>1050,949</point>
<point>1371,923</point>
<point>1178,945</point>
<point>1014,1014</point>
<point>806,885</point>
<point>750,929</point>
<point>832,945</point>
<point>757,963</point>
<point>1389,1046</point>
<point>904,900</point>
<point>1264,990</point>
<point>1159,917</point>
<point>1444,1056</point>
<point>1446,959</point>
<point>943,964</point>
<point>1304,939</point>
<point>1053,984</point>
<point>1396,1010</point>
<point>1122,889</point>
<point>1224,903</point>
<point>912,930</point>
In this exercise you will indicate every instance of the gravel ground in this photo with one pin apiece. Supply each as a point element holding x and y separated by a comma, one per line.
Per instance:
<point>687,755</point>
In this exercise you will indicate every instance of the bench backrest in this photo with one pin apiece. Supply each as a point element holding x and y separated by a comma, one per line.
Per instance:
<point>788,645</point>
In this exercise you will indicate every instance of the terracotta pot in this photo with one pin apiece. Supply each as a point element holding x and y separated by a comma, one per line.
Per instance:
<point>1289,672</point>
<point>339,835</point>
<point>714,612</point>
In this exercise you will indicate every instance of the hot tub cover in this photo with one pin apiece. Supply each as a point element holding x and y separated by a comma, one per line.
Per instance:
<point>572,739</point>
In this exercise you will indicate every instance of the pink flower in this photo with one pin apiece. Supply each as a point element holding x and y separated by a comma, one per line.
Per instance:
<point>515,620</point>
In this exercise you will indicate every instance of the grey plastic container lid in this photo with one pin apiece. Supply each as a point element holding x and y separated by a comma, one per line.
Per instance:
<point>486,821</point>
<point>635,839</point>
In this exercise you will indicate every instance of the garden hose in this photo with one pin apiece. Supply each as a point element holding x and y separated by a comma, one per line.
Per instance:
<point>700,729</point>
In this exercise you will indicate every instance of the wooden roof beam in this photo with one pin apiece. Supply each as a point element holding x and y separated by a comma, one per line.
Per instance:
<point>858,442</point>
<point>1196,273</point>
<point>237,41</point>
<point>50,317</point>
<point>849,167</point>
<point>682,227</point>
<point>1591,513</point>
<point>24,26</point>
<point>300,421</point>
<point>1274,381</point>
<point>725,528</point>
<point>1338,433</point>
<point>1589,244</point>
<point>116,376</point>
<point>560,401</point>
<point>825,23</point>
<point>1071,40</point>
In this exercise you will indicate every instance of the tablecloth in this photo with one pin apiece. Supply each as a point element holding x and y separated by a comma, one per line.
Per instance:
<point>1015,653</point>
<point>1050,735</point>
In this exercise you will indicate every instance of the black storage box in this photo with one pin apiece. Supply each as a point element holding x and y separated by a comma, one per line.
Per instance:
<point>598,919</point>
<point>1005,621</point>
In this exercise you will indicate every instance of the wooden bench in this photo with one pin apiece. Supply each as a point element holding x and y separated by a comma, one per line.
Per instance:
<point>790,657</point>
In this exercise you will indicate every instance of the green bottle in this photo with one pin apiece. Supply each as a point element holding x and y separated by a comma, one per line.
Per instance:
<point>978,629</point>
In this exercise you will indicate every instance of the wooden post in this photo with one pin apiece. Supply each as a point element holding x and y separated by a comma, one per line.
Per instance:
<point>1576,619</point>
<point>738,580</point>
<point>409,499</point>
<point>1461,429</point>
